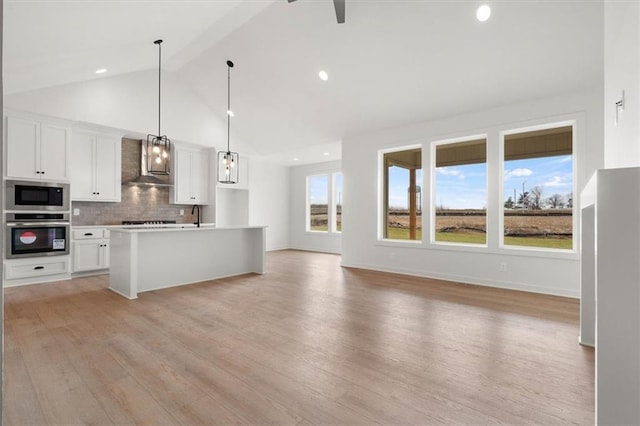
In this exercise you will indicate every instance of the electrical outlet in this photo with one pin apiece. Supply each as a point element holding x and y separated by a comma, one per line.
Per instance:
<point>181,212</point>
<point>76,212</point>
<point>502,267</point>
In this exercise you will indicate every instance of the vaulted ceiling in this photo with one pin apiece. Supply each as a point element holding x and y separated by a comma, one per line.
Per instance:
<point>391,63</point>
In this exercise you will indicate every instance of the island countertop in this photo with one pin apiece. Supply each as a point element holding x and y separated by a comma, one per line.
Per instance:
<point>179,227</point>
<point>155,257</point>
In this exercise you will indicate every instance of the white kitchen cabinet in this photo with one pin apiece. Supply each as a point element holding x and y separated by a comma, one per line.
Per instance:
<point>95,167</point>
<point>190,176</point>
<point>35,270</point>
<point>37,150</point>
<point>90,248</point>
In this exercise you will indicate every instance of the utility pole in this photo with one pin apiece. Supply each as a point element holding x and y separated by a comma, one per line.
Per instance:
<point>523,193</point>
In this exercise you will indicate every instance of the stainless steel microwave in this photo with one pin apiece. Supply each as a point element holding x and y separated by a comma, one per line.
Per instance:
<point>25,195</point>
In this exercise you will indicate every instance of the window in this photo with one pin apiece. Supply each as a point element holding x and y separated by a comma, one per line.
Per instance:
<point>402,195</point>
<point>460,192</point>
<point>538,188</point>
<point>337,200</point>
<point>318,196</point>
<point>324,203</point>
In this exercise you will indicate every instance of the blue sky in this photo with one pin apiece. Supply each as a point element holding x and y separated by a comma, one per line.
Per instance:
<point>464,187</point>
<point>319,187</point>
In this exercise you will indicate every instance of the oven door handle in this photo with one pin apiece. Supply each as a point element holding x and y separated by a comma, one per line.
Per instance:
<point>37,224</point>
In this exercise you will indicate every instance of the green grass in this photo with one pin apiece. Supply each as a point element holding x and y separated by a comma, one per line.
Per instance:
<point>553,243</point>
<point>479,238</point>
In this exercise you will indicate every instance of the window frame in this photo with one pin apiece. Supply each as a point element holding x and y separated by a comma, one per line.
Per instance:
<point>574,185</point>
<point>432,199</point>
<point>383,195</point>
<point>331,203</point>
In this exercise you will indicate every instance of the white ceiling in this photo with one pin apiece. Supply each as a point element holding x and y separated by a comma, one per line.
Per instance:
<point>391,63</point>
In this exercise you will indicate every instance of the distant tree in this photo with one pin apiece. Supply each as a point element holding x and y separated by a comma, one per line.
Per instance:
<point>569,204</point>
<point>509,203</point>
<point>535,198</point>
<point>523,200</point>
<point>555,201</point>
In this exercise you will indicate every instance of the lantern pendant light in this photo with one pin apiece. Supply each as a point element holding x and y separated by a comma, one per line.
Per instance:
<point>228,162</point>
<point>158,148</point>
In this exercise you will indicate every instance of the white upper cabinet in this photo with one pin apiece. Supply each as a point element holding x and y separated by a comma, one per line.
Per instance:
<point>190,173</point>
<point>37,150</point>
<point>95,167</point>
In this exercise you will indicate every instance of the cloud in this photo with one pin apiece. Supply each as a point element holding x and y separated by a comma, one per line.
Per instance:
<point>518,173</point>
<point>449,171</point>
<point>555,181</point>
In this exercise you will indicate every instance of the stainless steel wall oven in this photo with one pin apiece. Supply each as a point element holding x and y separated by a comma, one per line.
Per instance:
<point>37,234</point>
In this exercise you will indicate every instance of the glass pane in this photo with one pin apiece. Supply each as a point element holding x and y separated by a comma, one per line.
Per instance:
<point>318,203</point>
<point>460,197</point>
<point>538,204</point>
<point>337,196</point>
<point>403,195</point>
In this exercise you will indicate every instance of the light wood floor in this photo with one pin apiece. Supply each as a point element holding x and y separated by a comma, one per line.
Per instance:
<point>308,343</point>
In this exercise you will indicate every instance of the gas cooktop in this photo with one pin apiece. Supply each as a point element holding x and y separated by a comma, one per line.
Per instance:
<point>148,222</point>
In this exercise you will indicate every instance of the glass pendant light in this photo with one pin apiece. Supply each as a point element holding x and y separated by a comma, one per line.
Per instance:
<point>228,162</point>
<point>158,147</point>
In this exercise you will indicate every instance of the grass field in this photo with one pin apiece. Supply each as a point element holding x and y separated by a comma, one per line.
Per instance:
<point>526,230</point>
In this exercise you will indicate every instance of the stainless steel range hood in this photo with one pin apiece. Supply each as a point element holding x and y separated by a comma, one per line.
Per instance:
<point>146,178</point>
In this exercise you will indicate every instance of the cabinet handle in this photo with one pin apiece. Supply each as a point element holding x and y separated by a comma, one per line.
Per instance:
<point>42,172</point>
<point>37,172</point>
<point>88,234</point>
<point>38,267</point>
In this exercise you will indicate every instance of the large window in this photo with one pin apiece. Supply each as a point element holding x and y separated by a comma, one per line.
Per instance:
<point>460,192</point>
<point>402,195</point>
<point>538,188</point>
<point>324,203</point>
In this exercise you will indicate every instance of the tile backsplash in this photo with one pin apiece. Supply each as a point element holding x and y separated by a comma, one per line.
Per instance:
<point>138,202</point>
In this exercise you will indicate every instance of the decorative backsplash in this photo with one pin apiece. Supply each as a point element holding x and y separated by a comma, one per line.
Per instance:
<point>138,202</point>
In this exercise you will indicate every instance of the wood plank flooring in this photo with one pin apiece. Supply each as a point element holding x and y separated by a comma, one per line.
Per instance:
<point>307,343</point>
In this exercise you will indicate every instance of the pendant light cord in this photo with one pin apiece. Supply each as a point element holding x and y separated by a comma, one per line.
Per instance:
<point>159,43</point>
<point>228,104</point>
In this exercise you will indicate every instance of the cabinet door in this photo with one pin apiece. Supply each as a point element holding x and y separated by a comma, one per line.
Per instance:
<point>87,255</point>
<point>107,170</point>
<point>82,166</point>
<point>23,153</point>
<point>104,259</point>
<point>199,177</point>
<point>183,177</point>
<point>54,152</point>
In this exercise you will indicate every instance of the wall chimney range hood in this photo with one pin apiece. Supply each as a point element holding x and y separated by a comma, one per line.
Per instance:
<point>146,178</point>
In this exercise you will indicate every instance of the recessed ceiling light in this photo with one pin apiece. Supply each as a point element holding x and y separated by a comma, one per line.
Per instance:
<point>325,153</point>
<point>323,75</point>
<point>483,13</point>
<point>230,113</point>
<point>296,159</point>
<point>101,71</point>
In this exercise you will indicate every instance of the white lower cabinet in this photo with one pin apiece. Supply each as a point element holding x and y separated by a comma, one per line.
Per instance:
<point>35,269</point>
<point>90,248</point>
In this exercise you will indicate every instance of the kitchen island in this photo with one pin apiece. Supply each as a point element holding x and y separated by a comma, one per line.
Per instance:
<point>151,258</point>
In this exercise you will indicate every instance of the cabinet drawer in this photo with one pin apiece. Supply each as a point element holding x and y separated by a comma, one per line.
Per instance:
<point>36,267</point>
<point>89,233</point>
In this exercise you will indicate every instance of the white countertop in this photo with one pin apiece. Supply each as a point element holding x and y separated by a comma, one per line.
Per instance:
<point>177,227</point>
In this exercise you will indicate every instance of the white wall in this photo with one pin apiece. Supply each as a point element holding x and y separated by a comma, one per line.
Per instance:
<point>269,201</point>
<point>300,238</point>
<point>622,67</point>
<point>129,102</point>
<point>553,273</point>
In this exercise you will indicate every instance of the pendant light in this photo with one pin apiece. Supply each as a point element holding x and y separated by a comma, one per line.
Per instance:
<point>158,147</point>
<point>228,161</point>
